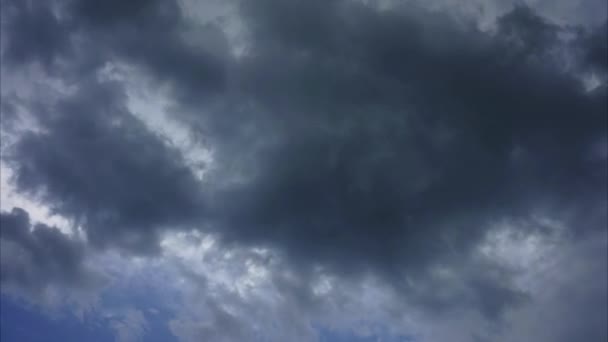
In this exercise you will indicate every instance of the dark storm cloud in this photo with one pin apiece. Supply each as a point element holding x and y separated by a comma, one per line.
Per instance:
<point>150,33</point>
<point>391,141</point>
<point>597,49</point>
<point>362,139</point>
<point>37,256</point>
<point>96,163</point>
<point>35,33</point>
<point>379,134</point>
<point>87,34</point>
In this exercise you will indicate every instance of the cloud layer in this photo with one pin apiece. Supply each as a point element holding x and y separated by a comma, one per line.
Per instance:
<point>381,149</point>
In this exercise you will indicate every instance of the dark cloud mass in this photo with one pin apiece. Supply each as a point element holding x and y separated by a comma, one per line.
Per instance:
<point>96,163</point>
<point>35,33</point>
<point>596,50</point>
<point>346,136</point>
<point>35,256</point>
<point>385,139</point>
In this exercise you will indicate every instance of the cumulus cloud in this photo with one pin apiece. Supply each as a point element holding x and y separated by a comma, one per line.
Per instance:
<point>355,148</point>
<point>121,197</point>
<point>40,262</point>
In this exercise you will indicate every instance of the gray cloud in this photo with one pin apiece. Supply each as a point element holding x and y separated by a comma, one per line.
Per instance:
<point>596,50</point>
<point>98,165</point>
<point>151,34</point>
<point>391,140</point>
<point>359,139</point>
<point>574,283</point>
<point>35,257</point>
<point>36,34</point>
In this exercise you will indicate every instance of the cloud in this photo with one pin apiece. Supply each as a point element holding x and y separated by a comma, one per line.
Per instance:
<point>570,278</point>
<point>38,260</point>
<point>130,325</point>
<point>352,141</point>
<point>36,34</point>
<point>596,50</point>
<point>391,140</point>
<point>96,164</point>
<point>256,293</point>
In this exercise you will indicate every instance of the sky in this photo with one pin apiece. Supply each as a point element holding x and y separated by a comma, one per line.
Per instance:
<point>288,170</point>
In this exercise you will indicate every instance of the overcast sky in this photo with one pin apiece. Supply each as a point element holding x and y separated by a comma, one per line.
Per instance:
<point>319,170</point>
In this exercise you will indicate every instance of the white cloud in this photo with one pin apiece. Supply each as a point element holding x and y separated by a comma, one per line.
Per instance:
<point>129,325</point>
